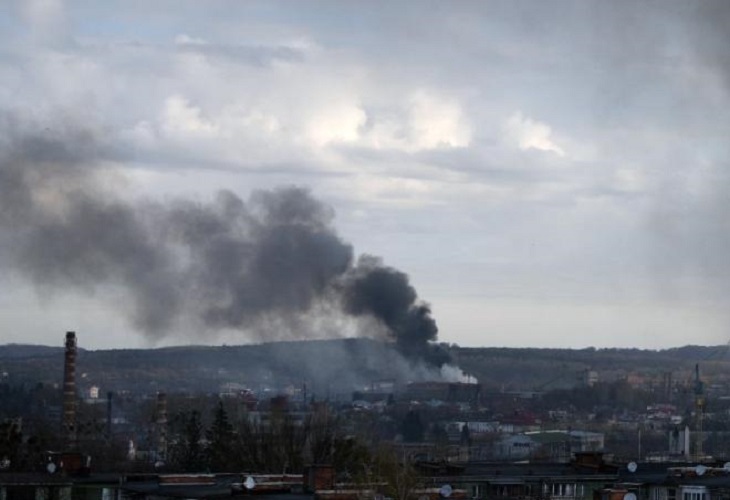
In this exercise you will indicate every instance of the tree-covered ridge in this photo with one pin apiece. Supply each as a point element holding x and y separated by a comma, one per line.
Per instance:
<point>341,365</point>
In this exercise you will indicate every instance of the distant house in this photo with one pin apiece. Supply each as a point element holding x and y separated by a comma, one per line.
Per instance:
<point>554,446</point>
<point>476,429</point>
<point>515,447</point>
<point>583,479</point>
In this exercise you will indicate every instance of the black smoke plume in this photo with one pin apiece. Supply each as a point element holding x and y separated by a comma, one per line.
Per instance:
<point>385,293</point>
<point>267,266</point>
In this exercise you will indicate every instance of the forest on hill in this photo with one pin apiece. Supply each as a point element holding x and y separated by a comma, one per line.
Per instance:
<point>329,366</point>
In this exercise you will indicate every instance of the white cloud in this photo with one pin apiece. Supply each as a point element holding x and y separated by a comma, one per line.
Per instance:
<point>527,133</point>
<point>437,122</point>
<point>339,122</point>
<point>181,119</point>
<point>183,39</point>
<point>254,119</point>
<point>429,121</point>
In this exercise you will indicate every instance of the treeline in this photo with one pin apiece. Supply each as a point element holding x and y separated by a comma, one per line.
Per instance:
<point>197,440</point>
<point>341,365</point>
<point>282,443</point>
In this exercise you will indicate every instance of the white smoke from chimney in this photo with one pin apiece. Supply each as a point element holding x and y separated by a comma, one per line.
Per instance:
<point>452,373</point>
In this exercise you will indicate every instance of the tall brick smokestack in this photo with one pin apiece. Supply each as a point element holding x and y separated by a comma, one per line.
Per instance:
<point>69,392</point>
<point>161,426</point>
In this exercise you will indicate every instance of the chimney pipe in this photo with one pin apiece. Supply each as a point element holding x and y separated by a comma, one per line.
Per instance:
<point>161,426</point>
<point>69,392</point>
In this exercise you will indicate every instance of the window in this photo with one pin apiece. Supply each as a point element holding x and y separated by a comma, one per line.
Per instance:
<point>694,494</point>
<point>570,490</point>
<point>659,494</point>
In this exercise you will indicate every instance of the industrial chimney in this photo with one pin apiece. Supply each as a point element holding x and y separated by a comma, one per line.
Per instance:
<point>69,392</point>
<point>161,427</point>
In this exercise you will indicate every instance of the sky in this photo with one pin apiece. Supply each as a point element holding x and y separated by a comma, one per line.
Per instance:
<point>548,174</point>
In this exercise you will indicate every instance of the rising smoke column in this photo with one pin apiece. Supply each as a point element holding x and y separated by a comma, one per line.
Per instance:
<point>261,265</point>
<point>61,227</point>
<point>275,256</point>
<point>386,293</point>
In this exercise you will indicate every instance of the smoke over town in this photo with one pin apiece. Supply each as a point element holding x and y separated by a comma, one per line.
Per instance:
<point>271,266</point>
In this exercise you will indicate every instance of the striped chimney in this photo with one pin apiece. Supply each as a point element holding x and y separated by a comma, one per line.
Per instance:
<point>161,426</point>
<point>69,391</point>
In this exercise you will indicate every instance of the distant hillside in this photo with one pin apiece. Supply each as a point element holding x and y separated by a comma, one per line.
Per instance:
<point>329,366</point>
<point>27,351</point>
<point>542,369</point>
<point>326,365</point>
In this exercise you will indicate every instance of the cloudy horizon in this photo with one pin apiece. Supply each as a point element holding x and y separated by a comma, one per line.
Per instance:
<point>548,174</point>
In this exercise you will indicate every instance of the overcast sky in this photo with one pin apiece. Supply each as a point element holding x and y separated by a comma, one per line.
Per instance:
<point>549,174</point>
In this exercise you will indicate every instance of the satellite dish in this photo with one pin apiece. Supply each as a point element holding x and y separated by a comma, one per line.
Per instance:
<point>51,467</point>
<point>700,470</point>
<point>249,483</point>
<point>632,468</point>
<point>630,496</point>
<point>4,463</point>
<point>159,464</point>
<point>446,491</point>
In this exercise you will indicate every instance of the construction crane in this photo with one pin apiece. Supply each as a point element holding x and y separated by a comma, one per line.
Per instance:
<point>699,391</point>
